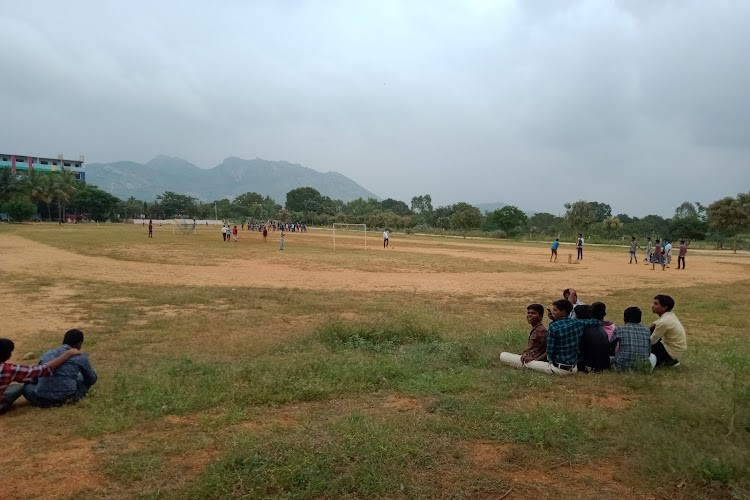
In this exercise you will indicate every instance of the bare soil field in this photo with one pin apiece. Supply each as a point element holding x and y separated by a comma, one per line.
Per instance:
<point>597,275</point>
<point>602,272</point>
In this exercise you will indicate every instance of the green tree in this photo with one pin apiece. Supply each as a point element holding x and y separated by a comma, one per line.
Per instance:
<point>63,188</point>
<point>688,222</point>
<point>730,216</point>
<point>283,215</point>
<point>601,210</point>
<point>361,207</point>
<point>395,206</point>
<point>176,205</point>
<point>302,199</point>
<point>611,226</point>
<point>91,200</point>
<point>510,219</point>
<point>580,216</point>
<point>223,209</point>
<point>546,223</point>
<point>131,208</point>
<point>19,207</point>
<point>421,204</point>
<point>10,184</point>
<point>41,189</point>
<point>465,217</point>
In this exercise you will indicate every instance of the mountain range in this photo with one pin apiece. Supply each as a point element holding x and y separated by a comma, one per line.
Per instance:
<point>231,178</point>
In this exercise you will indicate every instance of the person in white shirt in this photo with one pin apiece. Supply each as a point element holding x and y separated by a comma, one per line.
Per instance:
<point>668,337</point>
<point>668,252</point>
<point>385,239</point>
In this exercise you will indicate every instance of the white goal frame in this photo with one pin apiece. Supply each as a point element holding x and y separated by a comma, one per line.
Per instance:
<point>186,226</point>
<point>343,225</point>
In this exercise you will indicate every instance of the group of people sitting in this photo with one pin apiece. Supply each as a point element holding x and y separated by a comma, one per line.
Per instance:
<point>579,339</point>
<point>63,375</point>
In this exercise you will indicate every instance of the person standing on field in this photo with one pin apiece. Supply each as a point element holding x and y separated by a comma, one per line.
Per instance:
<point>385,239</point>
<point>649,252</point>
<point>658,256</point>
<point>668,252</point>
<point>150,228</point>
<point>265,234</point>
<point>281,239</point>
<point>234,233</point>
<point>633,248</point>
<point>681,255</point>
<point>579,246</point>
<point>555,245</point>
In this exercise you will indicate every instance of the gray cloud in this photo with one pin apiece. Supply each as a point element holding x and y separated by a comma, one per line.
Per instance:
<point>641,104</point>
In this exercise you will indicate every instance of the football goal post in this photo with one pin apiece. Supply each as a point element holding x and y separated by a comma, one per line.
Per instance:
<point>184,226</point>
<point>358,231</point>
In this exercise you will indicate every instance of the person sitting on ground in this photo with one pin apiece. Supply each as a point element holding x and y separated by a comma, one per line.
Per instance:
<point>70,382</point>
<point>11,372</point>
<point>599,311</point>
<point>571,296</point>
<point>563,336</point>
<point>537,347</point>
<point>593,346</point>
<point>631,344</point>
<point>668,337</point>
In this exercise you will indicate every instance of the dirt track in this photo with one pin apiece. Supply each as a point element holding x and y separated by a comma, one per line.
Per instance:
<point>600,273</point>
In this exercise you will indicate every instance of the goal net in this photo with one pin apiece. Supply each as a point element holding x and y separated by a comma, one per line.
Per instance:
<point>353,233</point>
<point>184,226</point>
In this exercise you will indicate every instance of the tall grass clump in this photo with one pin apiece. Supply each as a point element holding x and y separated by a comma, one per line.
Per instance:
<point>375,336</point>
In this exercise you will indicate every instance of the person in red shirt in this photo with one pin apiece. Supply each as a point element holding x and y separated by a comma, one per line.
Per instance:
<point>11,372</point>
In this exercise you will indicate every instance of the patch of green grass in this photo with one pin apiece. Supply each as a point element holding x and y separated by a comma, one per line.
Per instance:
<point>376,336</point>
<point>134,466</point>
<point>355,455</point>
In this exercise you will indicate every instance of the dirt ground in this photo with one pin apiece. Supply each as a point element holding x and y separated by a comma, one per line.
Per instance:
<point>597,275</point>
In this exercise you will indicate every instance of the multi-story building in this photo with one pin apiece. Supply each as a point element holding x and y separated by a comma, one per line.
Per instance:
<point>31,163</point>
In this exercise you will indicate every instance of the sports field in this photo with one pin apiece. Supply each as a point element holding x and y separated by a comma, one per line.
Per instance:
<point>238,370</point>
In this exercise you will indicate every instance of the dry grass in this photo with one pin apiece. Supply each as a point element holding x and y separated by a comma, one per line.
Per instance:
<point>220,377</point>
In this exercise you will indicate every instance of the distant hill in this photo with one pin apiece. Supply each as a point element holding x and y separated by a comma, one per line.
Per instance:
<point>233,177</point>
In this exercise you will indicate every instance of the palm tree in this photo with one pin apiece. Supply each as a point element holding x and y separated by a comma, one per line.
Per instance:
<point>41,189</point>
<point>63,188</point>
<point>10,184</point>
<point>46,193</point>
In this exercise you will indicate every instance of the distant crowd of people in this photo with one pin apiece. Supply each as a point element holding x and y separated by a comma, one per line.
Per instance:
<point>659,252</point>
<point>230,233</point>
<point>580,339</point>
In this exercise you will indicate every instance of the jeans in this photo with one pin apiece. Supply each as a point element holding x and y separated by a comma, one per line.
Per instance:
<point>29,392</point>
<point>12,392</point>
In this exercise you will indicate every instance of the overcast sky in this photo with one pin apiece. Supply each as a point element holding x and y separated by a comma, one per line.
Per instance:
<point>641,104</point>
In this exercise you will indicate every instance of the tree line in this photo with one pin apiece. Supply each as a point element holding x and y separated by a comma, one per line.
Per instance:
<point>40,194</point>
